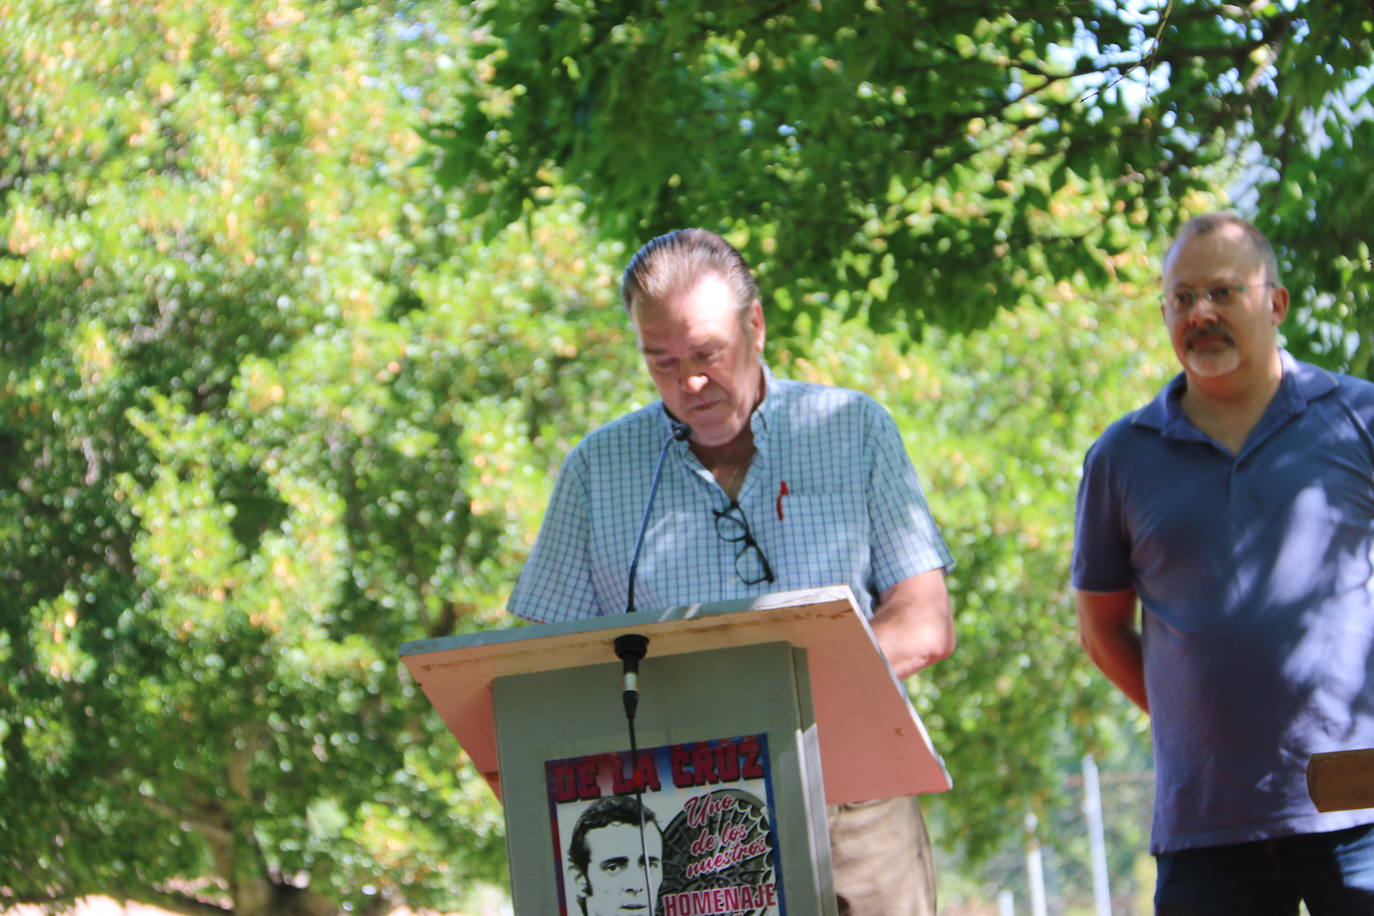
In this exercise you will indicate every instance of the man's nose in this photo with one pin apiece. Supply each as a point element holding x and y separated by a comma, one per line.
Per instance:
<point>1204,312</point>
<point>694,382</point>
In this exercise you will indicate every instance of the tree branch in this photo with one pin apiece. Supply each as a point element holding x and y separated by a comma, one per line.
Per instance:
<point>212,831</point>
<point>181,903</point>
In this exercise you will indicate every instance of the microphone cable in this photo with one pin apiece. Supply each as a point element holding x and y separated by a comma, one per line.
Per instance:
<point>630,648</point>
<point>680,432</point>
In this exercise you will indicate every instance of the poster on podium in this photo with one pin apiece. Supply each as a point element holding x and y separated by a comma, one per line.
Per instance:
<point>708,840</point>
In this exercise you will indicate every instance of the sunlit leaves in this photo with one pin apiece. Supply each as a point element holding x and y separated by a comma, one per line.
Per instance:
<point>891,159</point>
<point>997,422</point>
<point>227,466</point>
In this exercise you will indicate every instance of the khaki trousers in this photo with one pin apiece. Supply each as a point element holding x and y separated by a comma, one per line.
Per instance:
<point>882,858</point>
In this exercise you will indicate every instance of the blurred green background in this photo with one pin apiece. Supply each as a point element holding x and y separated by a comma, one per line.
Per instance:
<point>302,303</point>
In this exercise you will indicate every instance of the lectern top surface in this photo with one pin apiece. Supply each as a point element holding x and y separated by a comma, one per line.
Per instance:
<point>872,743</point>
<point>622,621</point>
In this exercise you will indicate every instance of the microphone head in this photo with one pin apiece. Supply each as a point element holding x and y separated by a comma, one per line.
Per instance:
<point>681,431</point>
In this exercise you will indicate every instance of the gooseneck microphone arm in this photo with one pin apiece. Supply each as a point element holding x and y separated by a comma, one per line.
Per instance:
<point>680,432</point>
<point>631,647</point>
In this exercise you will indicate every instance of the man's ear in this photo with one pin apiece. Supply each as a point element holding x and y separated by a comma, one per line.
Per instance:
<point>584,887</point>
<point>1278,302</point>
<point>755,322</point>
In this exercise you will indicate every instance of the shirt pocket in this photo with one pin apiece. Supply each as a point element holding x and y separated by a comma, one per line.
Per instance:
<point>822,539</point>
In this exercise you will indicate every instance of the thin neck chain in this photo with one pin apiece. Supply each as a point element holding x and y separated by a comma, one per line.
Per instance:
<point>734,480</point>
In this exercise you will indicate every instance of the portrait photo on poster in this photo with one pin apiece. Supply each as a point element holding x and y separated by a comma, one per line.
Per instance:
<point>697,840</point>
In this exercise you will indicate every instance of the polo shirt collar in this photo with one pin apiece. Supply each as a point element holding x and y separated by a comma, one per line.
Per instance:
<point>1302,383</point>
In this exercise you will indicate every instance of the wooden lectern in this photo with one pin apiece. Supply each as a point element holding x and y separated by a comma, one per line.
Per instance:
<point>753,715</point>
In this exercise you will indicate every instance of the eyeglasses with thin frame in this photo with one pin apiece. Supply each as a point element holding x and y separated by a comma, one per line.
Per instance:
<point>1221,295</point>
<point>751,565</point>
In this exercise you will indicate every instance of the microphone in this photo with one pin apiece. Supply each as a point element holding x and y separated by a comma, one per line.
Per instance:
<point>631,647</point>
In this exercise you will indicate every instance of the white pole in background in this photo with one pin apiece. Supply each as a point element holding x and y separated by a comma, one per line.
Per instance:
<point>1035,869</point>
<point>1092,809</point>
<point>1004,904</point>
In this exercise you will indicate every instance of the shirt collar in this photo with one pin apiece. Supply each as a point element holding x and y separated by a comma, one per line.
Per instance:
<point>765,415</point>
<point>1301,384</point>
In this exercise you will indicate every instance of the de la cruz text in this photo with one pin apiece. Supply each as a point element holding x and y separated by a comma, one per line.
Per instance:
<point>689,765</point>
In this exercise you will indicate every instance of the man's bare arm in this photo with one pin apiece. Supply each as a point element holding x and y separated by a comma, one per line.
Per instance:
<point>913,623</point>
<point>1107,628</point>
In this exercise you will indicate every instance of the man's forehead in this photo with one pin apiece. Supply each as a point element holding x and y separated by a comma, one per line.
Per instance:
<point>700,339</point>
<point>621,832</point>
<point>1226,246</point>
<point>705,293</point>
<point>691,331</point>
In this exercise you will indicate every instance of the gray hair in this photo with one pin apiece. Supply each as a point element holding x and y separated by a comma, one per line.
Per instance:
<point>674,262</point>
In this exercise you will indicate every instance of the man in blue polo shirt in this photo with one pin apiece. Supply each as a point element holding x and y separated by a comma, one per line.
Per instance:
<point>782,485</point>
<point>1237,509</point>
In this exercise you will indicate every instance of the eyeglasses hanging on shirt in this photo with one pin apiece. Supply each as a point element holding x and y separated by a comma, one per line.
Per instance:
<point>732,527</point>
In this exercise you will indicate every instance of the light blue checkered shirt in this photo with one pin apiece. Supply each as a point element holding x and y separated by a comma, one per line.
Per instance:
<point>854,513</point>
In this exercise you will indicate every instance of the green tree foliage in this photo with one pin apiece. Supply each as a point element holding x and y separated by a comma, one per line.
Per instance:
<point>266,411</point>
<point>271,403</point>
<point>908,159</point>
<point>1316,213</point>
<point>997,422</point>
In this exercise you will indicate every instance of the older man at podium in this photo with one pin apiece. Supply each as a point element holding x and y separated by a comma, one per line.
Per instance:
<point>768,485</point>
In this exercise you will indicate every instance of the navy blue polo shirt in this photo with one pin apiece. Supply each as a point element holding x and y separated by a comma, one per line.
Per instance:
<point>1254,576</point>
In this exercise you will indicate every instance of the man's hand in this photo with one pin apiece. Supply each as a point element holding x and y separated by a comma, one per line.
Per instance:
<point>913,623</point>
<point>1107,629</point>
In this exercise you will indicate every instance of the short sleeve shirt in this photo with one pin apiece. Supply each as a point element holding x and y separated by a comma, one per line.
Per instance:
<point>830,496</point>
<point>1254,576</point>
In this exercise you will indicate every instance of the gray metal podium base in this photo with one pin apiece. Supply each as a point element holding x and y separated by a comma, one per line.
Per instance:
<point>563,744</point>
